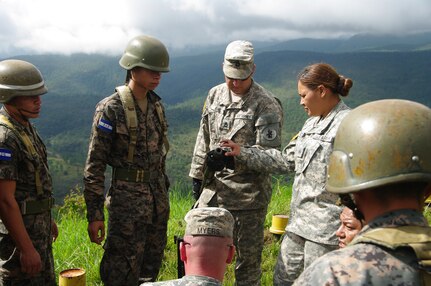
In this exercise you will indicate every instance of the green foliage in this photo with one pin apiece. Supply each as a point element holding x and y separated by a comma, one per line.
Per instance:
<point>73,248</point>
<point>74,204</point>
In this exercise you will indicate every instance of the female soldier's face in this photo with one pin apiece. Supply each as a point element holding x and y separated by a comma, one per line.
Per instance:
<point>311,100</point>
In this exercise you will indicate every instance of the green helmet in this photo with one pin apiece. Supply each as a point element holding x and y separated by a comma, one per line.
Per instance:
<point>147,52</point>
<point>380,143</point>
<point>19,78</point>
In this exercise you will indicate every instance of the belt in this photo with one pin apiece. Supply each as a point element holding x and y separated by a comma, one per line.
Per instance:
<point>134,175</point>
<point>36,206</point>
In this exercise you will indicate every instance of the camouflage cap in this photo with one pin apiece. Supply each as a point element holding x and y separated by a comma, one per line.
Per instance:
<point>238,60</point>
<point>209,221</point>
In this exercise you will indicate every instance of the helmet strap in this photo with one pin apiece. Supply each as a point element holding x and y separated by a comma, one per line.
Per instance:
<point>128,77</point>
<point>16,112</point>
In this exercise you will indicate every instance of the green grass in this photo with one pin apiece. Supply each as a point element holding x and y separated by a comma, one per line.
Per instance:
<point>73,248</point>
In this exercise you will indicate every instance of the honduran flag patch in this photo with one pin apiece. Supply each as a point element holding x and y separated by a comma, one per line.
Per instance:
<point>105,125</point>
<point>5,154</point>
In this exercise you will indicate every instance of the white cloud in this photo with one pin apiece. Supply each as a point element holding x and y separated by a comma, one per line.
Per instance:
<point>105,26</point>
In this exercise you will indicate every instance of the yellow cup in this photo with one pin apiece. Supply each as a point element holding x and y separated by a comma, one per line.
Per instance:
<point>279,222</point>
<point>72,277</point>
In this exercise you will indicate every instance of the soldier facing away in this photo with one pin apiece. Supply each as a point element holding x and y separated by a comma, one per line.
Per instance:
<point>206,249</point>
<point>382,158</point>
<point>27,229</point>
<point>129,133</point>
<point>241,110</point>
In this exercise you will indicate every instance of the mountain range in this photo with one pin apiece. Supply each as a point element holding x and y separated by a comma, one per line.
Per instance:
<point>380,67</point>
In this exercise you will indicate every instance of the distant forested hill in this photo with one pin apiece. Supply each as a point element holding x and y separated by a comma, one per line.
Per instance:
<point>77,82</point>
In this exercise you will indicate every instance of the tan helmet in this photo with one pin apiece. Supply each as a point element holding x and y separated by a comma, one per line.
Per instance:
<point>380,143</point>
<point>19,78</point>
<point>147,52</point>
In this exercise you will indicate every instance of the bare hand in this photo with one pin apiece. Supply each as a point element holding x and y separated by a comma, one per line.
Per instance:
<point>96,231</point>
<point>235,149</point>
<point>54,231</point>
<point>30,261</point>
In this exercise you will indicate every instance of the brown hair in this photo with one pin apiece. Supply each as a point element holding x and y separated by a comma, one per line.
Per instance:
<point>324,74</point>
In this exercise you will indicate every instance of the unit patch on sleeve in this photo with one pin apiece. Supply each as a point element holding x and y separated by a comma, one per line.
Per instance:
<point>269,133</point>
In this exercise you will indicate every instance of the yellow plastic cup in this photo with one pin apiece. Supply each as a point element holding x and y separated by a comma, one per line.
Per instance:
<point>279,222</point>
<point>72,277</point>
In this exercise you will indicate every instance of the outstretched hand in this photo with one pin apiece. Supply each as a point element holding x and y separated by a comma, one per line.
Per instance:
<point>235,149</point>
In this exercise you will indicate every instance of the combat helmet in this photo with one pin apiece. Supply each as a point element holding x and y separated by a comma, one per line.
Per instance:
<point>147,52</point>
<point>19,78</point>
<point>381,143</point>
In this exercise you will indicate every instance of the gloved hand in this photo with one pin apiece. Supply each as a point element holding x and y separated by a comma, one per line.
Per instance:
<point>216,160</point>
<point>197,184</point>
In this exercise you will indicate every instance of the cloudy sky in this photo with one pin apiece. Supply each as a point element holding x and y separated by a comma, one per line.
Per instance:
<point>105,26</point>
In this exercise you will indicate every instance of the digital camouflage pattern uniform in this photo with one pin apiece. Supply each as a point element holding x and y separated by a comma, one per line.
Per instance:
<point>314,217</point>
<point>255,120</point>
<point>138,211</point>
<point>369,264</point>
<point>17,164</point>
<point>188,280</point>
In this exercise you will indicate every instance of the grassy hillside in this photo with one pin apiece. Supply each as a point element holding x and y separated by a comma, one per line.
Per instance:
<point>77,82</point>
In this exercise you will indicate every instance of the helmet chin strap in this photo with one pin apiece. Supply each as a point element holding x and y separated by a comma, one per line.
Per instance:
<point>20,114</point>
<point>28,111</point>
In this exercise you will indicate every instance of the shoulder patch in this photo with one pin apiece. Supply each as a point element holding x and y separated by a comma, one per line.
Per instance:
<point>105,125</point>
<point>5,154</point>
<point>269,133</point>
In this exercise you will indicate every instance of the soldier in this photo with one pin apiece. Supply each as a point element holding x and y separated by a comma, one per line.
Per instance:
<point>27,229</point>
<point>207,247</point>
<point>129,133</point>
<point>314,214</point>
<point>350,226</point>
<point>241,110</point>
<point>381,156</point>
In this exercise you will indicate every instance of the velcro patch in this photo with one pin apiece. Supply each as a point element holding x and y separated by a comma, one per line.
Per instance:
<point>5,154</point>
<point>105,125</point>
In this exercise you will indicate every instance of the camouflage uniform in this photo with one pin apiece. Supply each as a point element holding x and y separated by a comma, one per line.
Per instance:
<point>254,120</point>
<point>20,167</point>
<point>138,211</point>
<point>314,217</point>
<point>369,264</point>
<point>189,280</point>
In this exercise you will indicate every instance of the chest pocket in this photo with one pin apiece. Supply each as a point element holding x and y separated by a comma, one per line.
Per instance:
<point>312,157</point>
<point>243,124</point>
<point>121,129</point>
